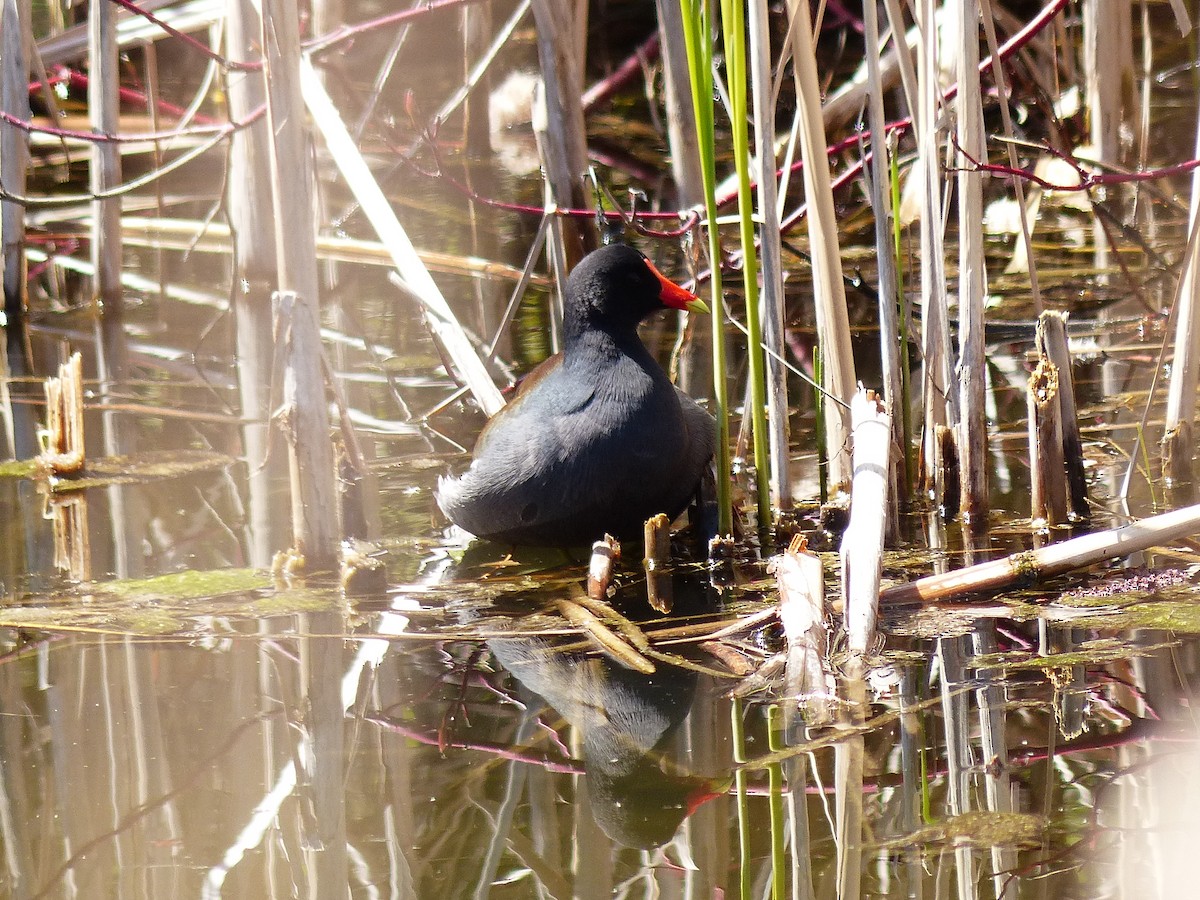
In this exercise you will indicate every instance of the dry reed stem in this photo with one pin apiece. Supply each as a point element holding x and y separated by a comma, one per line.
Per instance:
<point>305,410</point>
<point>829,294</point>
<point>1051,560</point>
<point>439,315</point>
<point>657,539</point>
<point>939,396</point>
<point>1177,446</point>
<point>1047,468</point>
<point>1051,342</point>
<point>605,554</point>
<point>561,133</point>
<point>862,543</point>
<point>105,170</point>
<point>770,254</point>
<point>972,275</point>
<point>885,253</point>
<point>14,153</point>
<point>681,118</point>
<point>605,638</point>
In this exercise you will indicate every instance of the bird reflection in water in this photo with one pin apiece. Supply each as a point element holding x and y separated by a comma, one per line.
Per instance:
<point>626,721</point>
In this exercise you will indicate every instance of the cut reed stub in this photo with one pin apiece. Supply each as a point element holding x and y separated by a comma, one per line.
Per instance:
<point>1046,465</point>
<point>1052,344</point>
<point>657,535</point>
<point>949,480</point>
<point>862,543</point>
<point>1177,449</point>
<point>605,554</point>
<point>62,438</point>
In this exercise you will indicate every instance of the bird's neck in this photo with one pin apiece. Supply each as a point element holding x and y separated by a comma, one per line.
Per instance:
<point>594,343</point>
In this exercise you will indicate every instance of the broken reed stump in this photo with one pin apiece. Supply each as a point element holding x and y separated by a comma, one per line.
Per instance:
<point>1052,344</point>
<point>62,438</point>
<point>657,538</point>
<point>1177,449</point>
<point>862,543</point>
<point>948,478</point>
<point>1046,466</point>
<point>604,558</point>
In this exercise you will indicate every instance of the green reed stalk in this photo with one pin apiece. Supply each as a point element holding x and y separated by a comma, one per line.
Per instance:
<point>733,26</point>
<point>905,322</point>
<point>697,35</point>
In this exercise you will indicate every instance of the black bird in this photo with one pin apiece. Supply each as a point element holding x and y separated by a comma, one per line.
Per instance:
<point>597,438</point>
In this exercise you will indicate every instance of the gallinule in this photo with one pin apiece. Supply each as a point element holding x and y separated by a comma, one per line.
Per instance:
<point>597,438</point>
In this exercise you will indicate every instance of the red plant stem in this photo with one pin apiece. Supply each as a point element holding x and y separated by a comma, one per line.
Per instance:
<point>1087,180</point>
<point>226,128</point>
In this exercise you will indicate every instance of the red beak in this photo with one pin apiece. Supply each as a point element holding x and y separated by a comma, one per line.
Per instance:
<point>674,296</point>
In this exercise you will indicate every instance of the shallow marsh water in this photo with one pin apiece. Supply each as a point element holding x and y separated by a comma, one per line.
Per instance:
<point>179,722</point>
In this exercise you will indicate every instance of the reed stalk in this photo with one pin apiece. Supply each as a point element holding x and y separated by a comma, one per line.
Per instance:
<point>681,120</point>
<point>887,250</point>
<point>379,212</point>
<point>104,175</point>
<point>829,294</point>
<point>1001,80</point>
<point>1178,445</point>
<point>1051,341</point>
<point>310,449</point>
<point>14,154</point>
<point>1108,72</point>
<point>862,543</point>
<point>771,281</point>
<point>1047,468</point>
<point>936,382</point>
<point>740,782</point>
<point>972,275</point>
<point>906,328</point>
<point>733,26</point>
<point>248,205</point>
<point>562,140</point>
<point>697,32</point>
<point>1050,560</point>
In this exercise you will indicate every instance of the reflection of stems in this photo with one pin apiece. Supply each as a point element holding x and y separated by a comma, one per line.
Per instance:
<point>743,811</point>
<point>138,812</point>
<point>775,778</point>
